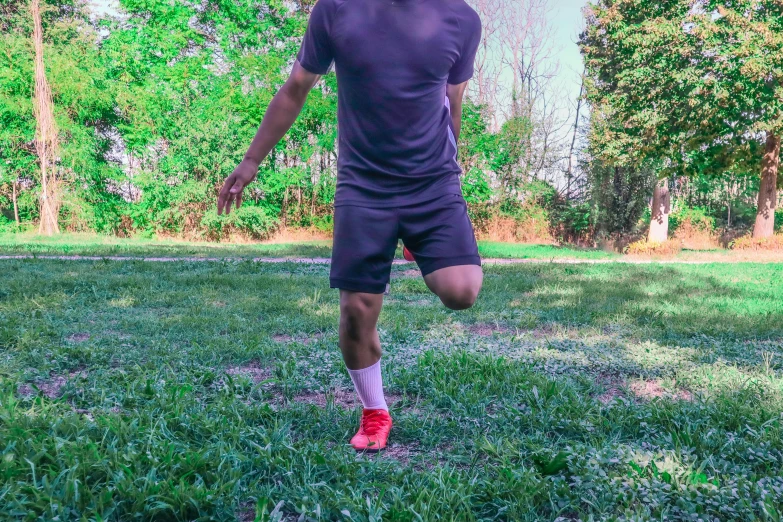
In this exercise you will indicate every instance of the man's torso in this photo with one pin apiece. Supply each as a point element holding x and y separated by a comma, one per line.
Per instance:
<point>393,59</point>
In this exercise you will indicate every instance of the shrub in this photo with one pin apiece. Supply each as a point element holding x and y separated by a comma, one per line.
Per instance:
<point>249,220</point>
<point>7,225</point>
<point>647,248</point>
<point>76,215</point>
<point>573,221</point>
<point>532,228</point>
<point>696,218</point>
<point>759,243</point>
<point>475,187</point>
<point>694,228</point>
<point>324,223</point>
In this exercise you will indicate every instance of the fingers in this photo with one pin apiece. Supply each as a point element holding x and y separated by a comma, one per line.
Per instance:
<point>230,193</point>
<point>229,201</point>
<point>235,194</point>
<point>224,194</point>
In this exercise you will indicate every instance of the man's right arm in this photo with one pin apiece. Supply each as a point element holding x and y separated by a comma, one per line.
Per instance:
<point>280,116</point>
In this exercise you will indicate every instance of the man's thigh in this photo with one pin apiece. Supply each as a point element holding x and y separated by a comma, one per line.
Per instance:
<point>460,280</point>
<point>365,240</point>
<point>439,235</point>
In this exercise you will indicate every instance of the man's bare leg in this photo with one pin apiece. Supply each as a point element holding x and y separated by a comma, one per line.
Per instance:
<point>361,350</point>
<point>359,340</point>
<point>456,286</point>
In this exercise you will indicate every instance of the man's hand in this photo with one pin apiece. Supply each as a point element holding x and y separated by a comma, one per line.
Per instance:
<point>234,185</point>
<point>280,115</point>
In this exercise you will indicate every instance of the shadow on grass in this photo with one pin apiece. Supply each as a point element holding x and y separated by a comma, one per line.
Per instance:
<point>666,303</point>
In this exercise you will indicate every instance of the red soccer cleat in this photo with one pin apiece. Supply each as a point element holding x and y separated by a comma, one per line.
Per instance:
<point>407,254</point>
<point>373,431</point>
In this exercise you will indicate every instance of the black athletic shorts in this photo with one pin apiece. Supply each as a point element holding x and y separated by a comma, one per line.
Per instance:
<point>438,233</point>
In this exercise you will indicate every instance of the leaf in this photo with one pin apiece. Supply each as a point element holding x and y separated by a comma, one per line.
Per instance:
<point>552,466</point>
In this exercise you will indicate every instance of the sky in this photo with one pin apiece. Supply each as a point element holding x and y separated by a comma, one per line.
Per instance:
<point>567,21</point>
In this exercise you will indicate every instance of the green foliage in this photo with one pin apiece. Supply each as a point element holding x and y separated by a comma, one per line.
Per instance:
<point>537,198</point>
<point>573,221</point>
<point>730,200</point>
<point>694,87</point>
<point>156,108</point>
<point>697,218</point>
<point>620,196</point>
<point>250,220</point>
<point>475,187</point>
<point>7,225</point>
<point>508,149</point>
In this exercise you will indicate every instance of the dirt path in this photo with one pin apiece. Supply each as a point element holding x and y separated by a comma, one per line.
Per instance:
<point>326,260</point>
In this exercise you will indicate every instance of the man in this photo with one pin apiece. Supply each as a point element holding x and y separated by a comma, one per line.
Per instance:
<point>402,67</point>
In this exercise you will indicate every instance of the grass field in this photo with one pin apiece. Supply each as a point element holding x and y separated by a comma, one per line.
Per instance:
<point>209,391</point>
<point>95,245</point>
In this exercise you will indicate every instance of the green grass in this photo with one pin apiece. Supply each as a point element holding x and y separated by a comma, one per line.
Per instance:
<point>525,251</point>
<point>95,245</point>
<point>159,391</point>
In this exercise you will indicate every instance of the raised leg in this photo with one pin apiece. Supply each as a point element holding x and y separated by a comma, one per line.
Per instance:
<point>456,286</point>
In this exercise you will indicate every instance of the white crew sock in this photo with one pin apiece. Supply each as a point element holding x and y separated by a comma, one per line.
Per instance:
<point>369,386</point>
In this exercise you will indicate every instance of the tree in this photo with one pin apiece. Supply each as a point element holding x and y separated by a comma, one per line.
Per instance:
<point>695,85</point>
<point>81,106</point>
<point>46,140</point>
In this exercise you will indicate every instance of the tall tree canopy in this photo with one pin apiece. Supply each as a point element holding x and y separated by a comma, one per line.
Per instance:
<point>696,85</point>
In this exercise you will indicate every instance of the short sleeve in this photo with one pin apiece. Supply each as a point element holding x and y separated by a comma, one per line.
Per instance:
<point>462,70</point>
<point>316,53</point>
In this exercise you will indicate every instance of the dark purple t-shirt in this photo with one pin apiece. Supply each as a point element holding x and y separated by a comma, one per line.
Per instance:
<point>393,59</point>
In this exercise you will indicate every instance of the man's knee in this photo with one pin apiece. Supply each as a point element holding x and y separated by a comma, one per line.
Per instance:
<point>460,296</point>
<point>356,312</point>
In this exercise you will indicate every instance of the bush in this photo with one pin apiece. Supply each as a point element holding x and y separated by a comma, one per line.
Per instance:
<point>694,228</point>
<point>646,248</point>
<point>475,187</point>
<point>525,220</point>
<point>573,221</point>
<point>532,228</point>
<point>76,215</point>
<point>7,225</point>
<point>696,218</point>
<point>249,220</point>
<point>324,223</point>
<point>760,243</point>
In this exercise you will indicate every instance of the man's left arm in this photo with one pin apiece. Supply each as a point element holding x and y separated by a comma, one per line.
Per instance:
<point>455,93</point>
<point>462,69</point>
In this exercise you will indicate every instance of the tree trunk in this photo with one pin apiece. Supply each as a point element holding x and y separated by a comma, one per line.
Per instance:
<point>16,204</point>
<point>728,214</point>
<point>768,195</point>
<point>570,172</point>
<point>46,133</point>
<point>285,209</point>
<point>659,224</point>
